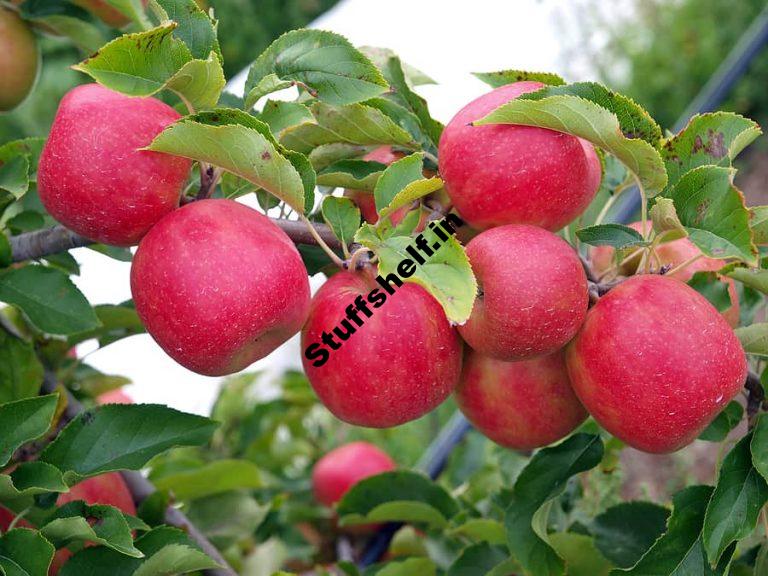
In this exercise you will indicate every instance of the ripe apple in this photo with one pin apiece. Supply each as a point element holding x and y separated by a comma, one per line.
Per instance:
<point>402,362</point>
<point>93,177</point>
<point>108,14</point>
<point>507,174</point>
<point>654,363</point>
<point>671,254</point>
<point>18,59</point>
<point>533,293</point>
<point>521,405</point>
<point>336,472</point>
<point>114,397</point>
<point>219,286</point>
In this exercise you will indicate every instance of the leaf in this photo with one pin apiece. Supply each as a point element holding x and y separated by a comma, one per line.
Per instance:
<point>396,177</point>
<point>616,235</point>
<point>411,193</point>
<point>21,372</point>
<point>64,19</point>
<point>758,221</point>
<point>759,446</point>
<point>680,551</point>
<point>722,425</point>
<point>756,278</point>
<point>117,321</point>
<point>122,437</point>
<point>540,481</point>
<point>49,299</point>
<point>481,530</point>
<point>583,118</point>
<point>227,518</point>
<point>478,560</point>
<point>665,219</point>
<point>623,533</point>
<point>25,553</point>
<point>333,69</point>
<point>353,174</point>
<point>23,421</point>
<point>280,115</point>
<point>410,567</point>
<point>380,57</point>
<point>327,154</point>
<point>30,479</point>
<point>754,338</point>
<point>504,77</point>
<point>713,212</point>
<point>194,27</point>
<point>242,145</point>
<point>736,502</point>
<point>14,176</point>
<point>392,496</point>
<point>446,274</point>
<point>708,285</point>
<point>580,554</point>
<point>212,478</point>
<point>6,252</point>
<point>343,216</point>
<point>714,138</point>
<point>199,82</point>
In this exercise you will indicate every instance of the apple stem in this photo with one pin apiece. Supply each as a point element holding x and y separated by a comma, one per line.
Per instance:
<point>685,264</point>
<point>209,178</point>
<point>320,242</point>
<point>354,262</point>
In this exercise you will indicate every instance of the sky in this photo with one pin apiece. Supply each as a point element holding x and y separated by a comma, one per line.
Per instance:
<point>448,41</point>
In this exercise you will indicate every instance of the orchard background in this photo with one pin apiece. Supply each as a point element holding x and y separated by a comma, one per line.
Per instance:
<point>335,145</point>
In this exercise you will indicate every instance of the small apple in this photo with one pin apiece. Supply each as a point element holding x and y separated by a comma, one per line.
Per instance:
<point>654,363</point>
<point>507,174</point>
<point>19,58</point>
<point>336,472</point>
<point>114,397</point>
<point>219,286</point>
<point>533,293</point>
<point>521,405</point>
<point>398,361</point>
<point>93,177</point>
<point>107,13</point>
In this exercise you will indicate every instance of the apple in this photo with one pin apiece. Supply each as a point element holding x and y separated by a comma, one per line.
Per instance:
<point>336,472</point>
<point>93,177</point>
<point>671,254</point>
<point>19,58</point>
<point>219,286</point>
<point>654,363</point>
<point>108,14</point>
<point>533,293</point>
<point>508,174</point>
<point>521,405</point>
<point>398,361</point>
<point>114,397</point>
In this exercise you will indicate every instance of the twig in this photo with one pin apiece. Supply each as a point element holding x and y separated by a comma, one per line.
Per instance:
<point>755,397</point>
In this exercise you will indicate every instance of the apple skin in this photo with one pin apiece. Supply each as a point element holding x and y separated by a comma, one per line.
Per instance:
<point>672,254</point>
<point>336,472</point>
<point>534,293</point>
<point>105,12</point>
<point>508,174</point>
<point>92,176</point>
<point>219,286</point>
<point>654,363</point>
<point>19,57</point>
<point>521,405</point>
<point>405,361</point>
<point>114,397</point>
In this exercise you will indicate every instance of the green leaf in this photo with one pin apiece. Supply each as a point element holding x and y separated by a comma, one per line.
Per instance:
<point>623,533</point>
<point>118,321</point>
<point>478,560</point>
<point>580,117</point>
<point>481,530</point>
<point>580,554</point>
<point>343,216</point>
<point>23,421</point>
<point>227,518</point>
<point>25,553</point>
<point>199,82</point>
<point>333,69</point>
<point>504,77</point>
<point>411,193</point>
<point>401,495</point>
<point>756,278</point>
<point>713,212</point>
<point>758,221</point>
<point>541,480</point>
<point>396,177</point>
<point>708,285</point>
<point>616,235</point>
<point>736,502</point>
<point>14,176</point>
<point>49,299</point>
<point>754,338</point>
<point>64,19</point>
<point>354,174</point>
<point>242,145</point>
<point>327,154</point>
<point>30,479</point>
<point>79,522</point>
<point>266,85</point>
<point>280,115</point>
<point>714,138</point>
<point>212,478</point>
<point>21,372</point>
<point>447,274</point>
<point>680,551</point>
<point>194,27</point>
<point>722,425</point>
<point>759,446</point>
<point>410,567</point>
<point>122,437</point>
<point>6,252</point>
<point>381,56</point>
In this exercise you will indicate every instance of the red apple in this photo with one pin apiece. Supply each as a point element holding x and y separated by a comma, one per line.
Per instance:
<point>101,9</point>
<point>18,59</point>
<point>533,293</point>
<point>402,362</point>
<point>521,405</point>
<point>336,472</point>
<point>219,286</point>
<point>93,177</point>
<point>114,397</point>
<point>654,363</point>
<point>507,174</point>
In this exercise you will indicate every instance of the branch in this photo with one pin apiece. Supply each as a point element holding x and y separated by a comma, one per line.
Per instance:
<point>42,243</point>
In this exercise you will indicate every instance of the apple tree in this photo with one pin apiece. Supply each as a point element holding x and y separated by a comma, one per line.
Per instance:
<point>473,266</point>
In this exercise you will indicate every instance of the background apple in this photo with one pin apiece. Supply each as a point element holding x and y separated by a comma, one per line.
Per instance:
<point>655,363</point>
<point>18,59</point>
<point>218,286</point>
<point>503,174</point>
<point>114,397</point>
<point>92,176</point>
<point>103,10</point>
<point>336,472</point>
<point>533,292</point>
